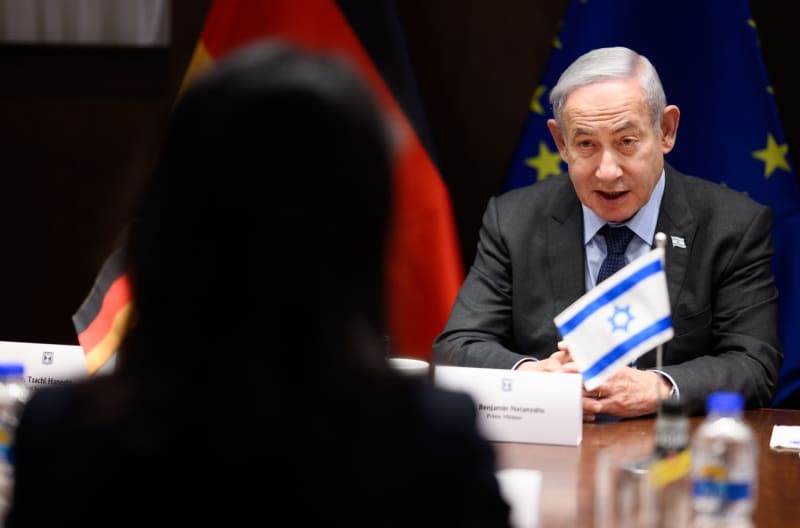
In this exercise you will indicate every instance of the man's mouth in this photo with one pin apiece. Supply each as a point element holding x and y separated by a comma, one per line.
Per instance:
<point>612,195</point>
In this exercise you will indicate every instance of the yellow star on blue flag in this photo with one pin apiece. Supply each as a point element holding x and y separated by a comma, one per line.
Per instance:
<point>536,100</point>
<point>546,163</point>
<point>773,156</point>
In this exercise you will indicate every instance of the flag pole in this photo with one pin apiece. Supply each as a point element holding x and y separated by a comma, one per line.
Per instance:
<point>661,243</point>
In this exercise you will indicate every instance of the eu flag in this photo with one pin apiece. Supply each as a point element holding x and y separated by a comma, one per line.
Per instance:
<point>708,57</point>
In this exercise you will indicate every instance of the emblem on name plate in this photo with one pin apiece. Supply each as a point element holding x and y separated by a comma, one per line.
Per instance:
<point>47,357</point>
<point>506,385</point>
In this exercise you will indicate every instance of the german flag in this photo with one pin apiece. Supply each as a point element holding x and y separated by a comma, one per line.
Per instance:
<point>103,318</point>
<point>424,269</point>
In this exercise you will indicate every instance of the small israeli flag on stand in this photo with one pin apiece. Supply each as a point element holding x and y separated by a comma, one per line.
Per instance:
<point>619,320</point>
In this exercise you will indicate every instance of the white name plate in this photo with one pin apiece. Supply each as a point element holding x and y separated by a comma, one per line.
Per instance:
<point>521,406</point>
<point>46,364</point>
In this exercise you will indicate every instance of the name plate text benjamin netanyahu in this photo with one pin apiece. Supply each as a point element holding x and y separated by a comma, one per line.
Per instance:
<point>521,406</point>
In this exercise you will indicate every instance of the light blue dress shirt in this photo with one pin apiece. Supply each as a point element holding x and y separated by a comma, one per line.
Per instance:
<point>643,225</point>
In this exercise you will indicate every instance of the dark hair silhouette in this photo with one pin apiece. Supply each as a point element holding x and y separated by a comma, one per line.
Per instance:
<point>258,251</point>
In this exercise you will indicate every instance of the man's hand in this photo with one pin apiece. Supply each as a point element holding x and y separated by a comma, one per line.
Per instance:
<point>554,363</point>
<point>630,392</point>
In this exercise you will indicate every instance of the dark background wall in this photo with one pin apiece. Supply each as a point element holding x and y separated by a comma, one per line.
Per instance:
<point>79,128</point>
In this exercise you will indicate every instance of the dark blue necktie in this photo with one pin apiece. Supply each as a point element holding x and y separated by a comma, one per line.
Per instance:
<point>617,239</point>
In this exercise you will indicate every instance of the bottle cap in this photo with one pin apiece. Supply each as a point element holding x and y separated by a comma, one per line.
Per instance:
<point>724,402</point>
<point>12,369</point>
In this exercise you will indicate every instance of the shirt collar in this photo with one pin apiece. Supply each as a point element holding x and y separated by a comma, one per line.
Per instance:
<point>643,223</point>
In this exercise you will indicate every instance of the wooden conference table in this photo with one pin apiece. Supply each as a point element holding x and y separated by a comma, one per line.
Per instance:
<point>568,473</point>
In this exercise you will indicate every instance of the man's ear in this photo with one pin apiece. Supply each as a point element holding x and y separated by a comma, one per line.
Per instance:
<point>669,127</point>
<point>558,138</point>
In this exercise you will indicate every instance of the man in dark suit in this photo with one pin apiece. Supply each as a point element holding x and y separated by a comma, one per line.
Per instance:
<point>543,246</point>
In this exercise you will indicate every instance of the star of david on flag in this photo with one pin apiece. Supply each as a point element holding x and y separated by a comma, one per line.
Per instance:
<point>623,317</point>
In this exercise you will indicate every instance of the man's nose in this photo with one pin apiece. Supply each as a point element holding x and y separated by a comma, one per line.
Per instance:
<point>608,168</point>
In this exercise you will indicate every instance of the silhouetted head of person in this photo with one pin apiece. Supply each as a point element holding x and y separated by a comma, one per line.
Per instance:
<point>260,238</point>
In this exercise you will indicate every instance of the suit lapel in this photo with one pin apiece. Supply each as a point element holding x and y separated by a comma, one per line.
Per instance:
<point>676,221</point>
<point>565,248</point>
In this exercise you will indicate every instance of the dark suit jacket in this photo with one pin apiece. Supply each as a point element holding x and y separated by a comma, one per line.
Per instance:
<point>530,266</point>
<point>405,457</point>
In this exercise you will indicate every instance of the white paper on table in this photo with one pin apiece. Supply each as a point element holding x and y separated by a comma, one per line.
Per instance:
<point>785,438</point>
<point>520,488</point>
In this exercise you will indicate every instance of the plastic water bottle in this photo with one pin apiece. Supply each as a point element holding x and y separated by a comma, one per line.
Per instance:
<point>13,396</point>
<point>724,465</point>
<point>671,429</point>
<point>670,468</point>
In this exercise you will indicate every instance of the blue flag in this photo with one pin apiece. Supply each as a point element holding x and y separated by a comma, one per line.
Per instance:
<point>708,57</point>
